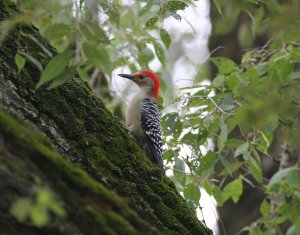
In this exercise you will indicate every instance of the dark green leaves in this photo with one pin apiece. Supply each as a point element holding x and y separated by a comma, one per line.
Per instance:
<point>150,23</point>
<point>174,6</point>
<point>55,67</point>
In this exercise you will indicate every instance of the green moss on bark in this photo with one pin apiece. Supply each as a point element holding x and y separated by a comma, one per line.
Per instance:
<point>91,207</point>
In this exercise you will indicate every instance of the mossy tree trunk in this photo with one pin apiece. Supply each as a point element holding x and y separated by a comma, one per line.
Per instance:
<point>104,180</point>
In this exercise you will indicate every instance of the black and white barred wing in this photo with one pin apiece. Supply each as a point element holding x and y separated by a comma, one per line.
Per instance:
<point>151,126</point>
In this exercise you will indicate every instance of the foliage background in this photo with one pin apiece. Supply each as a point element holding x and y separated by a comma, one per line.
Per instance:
<point>241,131</point>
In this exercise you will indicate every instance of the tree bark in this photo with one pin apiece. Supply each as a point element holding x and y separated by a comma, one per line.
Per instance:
<point>105,181</point>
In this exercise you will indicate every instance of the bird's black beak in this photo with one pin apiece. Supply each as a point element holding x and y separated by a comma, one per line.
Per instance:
<point>128,76</point>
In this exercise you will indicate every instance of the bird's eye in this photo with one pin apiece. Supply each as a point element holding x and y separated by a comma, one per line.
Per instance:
<point>141,77</point>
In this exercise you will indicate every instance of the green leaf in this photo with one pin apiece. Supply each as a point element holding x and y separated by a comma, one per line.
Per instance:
<point>293,178</point>
<point>36,41</point>
<point>83,73</point>
<point>208,187</point>
<point>20,62</point>
<point>175,6</point>
<point>111,9</point>
<point>159,51</point>
<point>64,77</point>
<point>234,142</point>
<point>280,175</point>
<point>293,230</point>
<point>233,190</point>
<point>33,60</point>
<point>207,162</point>
<point>265,208</point>
<point>179,171</point>
<point>150,23</point>
<point>172,125</point>
<point>165,37</point>
<point>241,149</point>
<point>169,155</point>
<point>218,5</point>
<point>225,65</point>
<point>55,67</point>
<point>227,102</point>
<point>218,195</point>
<point>230,168</point>
<point>98,56</point>
<point>57,31</point>
<point>218,81</point>
<point>145,55</point>
<point>120,62</point>
<point>93,32</point>
<point>20,208</point>
<point>294,76</point>
<point>223,135</point>
<point>39,215</point>
<point>192,192</point>
<point>255,169</point>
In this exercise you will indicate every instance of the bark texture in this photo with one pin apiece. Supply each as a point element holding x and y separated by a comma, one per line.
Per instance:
<point>106,183</point>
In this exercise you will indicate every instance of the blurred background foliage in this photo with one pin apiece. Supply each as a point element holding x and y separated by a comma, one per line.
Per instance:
<point>234,132</point>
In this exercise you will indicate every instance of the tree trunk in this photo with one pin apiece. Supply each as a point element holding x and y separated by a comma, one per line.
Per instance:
<point>104,180</point>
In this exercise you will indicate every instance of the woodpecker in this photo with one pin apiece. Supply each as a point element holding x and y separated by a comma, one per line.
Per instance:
<point>142,116</point>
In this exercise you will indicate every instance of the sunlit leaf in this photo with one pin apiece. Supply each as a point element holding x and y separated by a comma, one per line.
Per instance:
<point>20,208</point>
<point>265,208</point>
<point>39,215</point>
<point>20,62</point>
<point>233,190</point>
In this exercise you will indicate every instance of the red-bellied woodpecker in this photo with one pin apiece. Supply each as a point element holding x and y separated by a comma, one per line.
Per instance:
<point>142,116</point>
